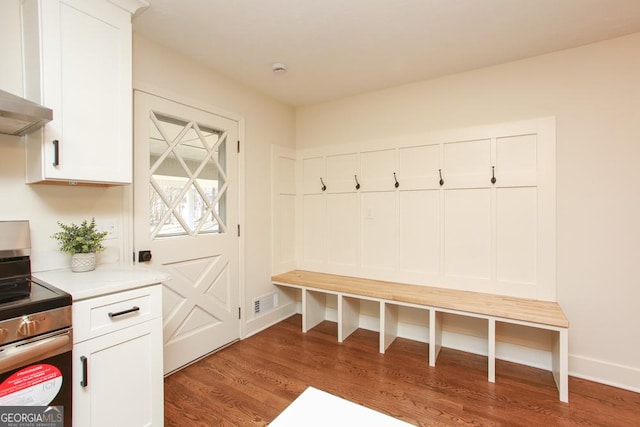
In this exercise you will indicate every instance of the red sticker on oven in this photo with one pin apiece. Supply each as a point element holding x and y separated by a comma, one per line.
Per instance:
<point>35,385</point>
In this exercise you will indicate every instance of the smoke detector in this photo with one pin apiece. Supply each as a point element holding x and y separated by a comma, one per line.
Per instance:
<point>279,68</point>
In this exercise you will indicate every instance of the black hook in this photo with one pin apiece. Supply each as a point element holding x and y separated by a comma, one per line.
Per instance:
<point>357,183</point>
<point>493,174</point>
<point>441,180</point>
<point>324,187</point>
<point>397,184</point>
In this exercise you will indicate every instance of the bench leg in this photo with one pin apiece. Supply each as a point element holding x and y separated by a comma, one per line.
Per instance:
<point>348,316</point>
<point>435,336</point>
<point>388,325</point>
<point>560,366</point>
<point>313,309</point>
<point>491,341</point>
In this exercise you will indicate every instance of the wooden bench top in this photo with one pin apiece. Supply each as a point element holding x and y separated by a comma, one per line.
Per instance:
<point>521,309</point>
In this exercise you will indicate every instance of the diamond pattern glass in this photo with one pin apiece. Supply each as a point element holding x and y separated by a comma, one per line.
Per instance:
<point>188,180</point>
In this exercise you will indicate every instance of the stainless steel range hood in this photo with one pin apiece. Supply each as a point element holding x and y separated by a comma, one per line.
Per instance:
<point>19,116</point>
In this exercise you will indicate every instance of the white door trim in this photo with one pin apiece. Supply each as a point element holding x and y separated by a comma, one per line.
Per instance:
<point>181,99</point>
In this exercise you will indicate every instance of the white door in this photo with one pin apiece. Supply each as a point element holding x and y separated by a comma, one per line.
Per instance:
<point>186,214</point>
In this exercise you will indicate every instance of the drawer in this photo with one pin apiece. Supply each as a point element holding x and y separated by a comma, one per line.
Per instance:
<point>102,315</point>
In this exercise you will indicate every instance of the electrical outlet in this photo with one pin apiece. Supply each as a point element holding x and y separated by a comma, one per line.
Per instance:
<point>111,227</point>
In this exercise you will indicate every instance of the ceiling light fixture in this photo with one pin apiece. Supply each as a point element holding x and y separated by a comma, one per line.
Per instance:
<point>279,68</point>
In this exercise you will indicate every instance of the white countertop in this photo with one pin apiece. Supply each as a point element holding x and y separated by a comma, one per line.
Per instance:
<point>316,408</point>
<point>105,279</point>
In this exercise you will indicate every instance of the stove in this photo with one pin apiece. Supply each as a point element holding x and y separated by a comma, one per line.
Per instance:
<point>20,294</point>
<point>36,336</point>
<point>40,298</point>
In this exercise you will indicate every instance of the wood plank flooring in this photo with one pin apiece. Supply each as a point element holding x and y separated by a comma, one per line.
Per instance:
<point>251,382</point>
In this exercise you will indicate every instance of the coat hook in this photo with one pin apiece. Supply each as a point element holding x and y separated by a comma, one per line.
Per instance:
<point>324,187</point>
<point>357,183</point>
<point>493,174</point>
<point>397,184</point>
<point>441,180</point>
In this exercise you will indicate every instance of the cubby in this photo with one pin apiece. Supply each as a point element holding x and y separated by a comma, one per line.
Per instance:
<point>390,296</point>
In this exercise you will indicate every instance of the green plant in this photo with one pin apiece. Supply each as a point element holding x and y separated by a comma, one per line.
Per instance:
<point>80,239</point>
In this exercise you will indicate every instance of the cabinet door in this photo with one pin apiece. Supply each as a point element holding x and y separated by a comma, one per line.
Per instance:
<point>80,66</point>
<point>124,381</point>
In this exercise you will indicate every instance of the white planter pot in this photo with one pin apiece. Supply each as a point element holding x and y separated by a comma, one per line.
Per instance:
<point>83,262</point>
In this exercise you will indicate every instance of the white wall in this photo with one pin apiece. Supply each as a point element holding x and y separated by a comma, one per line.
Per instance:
<point>594,91</point>
<point>44,205</point>
<point>266,122</point>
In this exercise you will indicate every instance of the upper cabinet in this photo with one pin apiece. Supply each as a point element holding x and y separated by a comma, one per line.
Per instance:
<point>77,61</point>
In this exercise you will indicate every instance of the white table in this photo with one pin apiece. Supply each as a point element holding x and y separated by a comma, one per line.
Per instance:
<point>316,408</point>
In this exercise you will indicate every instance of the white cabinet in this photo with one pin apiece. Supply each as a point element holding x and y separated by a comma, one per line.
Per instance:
<point>77,61</point>
<point>117,360</point>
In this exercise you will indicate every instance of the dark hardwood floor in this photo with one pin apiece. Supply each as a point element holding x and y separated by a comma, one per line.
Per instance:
<point>251,382</point>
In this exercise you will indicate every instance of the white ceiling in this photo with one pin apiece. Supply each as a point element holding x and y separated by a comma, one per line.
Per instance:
<point>337,48</point>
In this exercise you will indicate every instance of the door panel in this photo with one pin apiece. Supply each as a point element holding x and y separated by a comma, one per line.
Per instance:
<point>186,213</point>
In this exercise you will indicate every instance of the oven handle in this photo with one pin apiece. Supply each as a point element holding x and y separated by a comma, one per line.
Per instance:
<point>17,355</point>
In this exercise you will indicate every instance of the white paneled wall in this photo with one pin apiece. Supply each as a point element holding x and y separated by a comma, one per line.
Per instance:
<point>446,224</point>
<point>283,167</point>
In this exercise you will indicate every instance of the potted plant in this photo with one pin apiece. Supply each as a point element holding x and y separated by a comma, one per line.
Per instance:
<point>82,242</point>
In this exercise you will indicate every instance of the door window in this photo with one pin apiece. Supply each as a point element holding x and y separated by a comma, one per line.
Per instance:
<point>187,177</point>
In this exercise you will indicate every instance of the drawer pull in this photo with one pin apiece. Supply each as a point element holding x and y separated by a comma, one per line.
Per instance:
<point>120,313</point>
<point>85,378</point>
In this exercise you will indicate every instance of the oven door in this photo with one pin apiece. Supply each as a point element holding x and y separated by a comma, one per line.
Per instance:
<point>37,372</point>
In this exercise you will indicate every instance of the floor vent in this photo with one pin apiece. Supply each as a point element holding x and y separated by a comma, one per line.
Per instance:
<point>264,304</point>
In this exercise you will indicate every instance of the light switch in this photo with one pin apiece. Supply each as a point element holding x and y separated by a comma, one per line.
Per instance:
<point>369,212</point>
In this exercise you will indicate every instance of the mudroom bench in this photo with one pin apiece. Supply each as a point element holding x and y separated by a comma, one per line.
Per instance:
<point>391,295</point>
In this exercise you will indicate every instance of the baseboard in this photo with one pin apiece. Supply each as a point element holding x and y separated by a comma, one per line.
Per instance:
<point>259,324</point>
<point>625,377</point>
